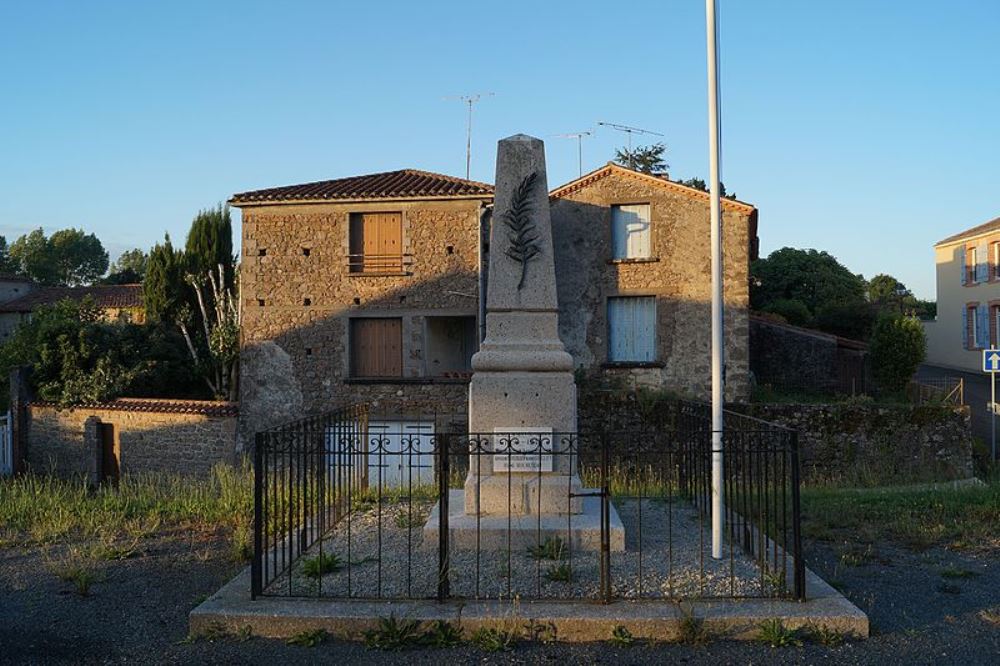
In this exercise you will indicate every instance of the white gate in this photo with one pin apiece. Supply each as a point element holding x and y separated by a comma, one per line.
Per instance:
<point>6,445</point>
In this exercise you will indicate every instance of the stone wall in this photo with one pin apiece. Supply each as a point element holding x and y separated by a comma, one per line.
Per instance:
<point>297,305</point>
<point>678,275</point>
<point>851,442</point>
<point>797,358</point>
<point>175,436</point>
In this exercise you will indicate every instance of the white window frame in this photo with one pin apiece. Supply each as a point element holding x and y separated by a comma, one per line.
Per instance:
<point>971,263</point>
<point>995,269</point>
<point>635,242</point>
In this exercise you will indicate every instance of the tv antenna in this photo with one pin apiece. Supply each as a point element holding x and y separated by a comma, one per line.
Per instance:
<point>630,131</point>
<point>469,100</point>
<point>579,145</point>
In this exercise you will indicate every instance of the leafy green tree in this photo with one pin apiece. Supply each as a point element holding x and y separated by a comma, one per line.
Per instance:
<point>699,184</point>
<point>68,257</point>
<point>853,319</point>
<point>165,295</point>
<point>897,348</point>
<point>647,159</point>
<point>792,311</point>
<point>210,243</point>
<point>129,268</point>
<point>215,345</point>
<point>7,267</point>
<point>77,357</point>
<point>809,276</point>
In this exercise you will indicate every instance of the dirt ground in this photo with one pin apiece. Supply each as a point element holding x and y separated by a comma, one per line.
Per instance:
<point>136,612</point>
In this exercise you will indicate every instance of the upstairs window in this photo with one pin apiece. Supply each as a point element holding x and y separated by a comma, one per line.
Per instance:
<point>630,231</point>
<point>376,243</point>
<point>971,261</point>
<point>995,261</point>
<point>376,347</point>
<point>632,329</point>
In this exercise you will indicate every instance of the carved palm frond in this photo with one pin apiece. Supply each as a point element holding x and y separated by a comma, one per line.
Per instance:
<point>523,237</point>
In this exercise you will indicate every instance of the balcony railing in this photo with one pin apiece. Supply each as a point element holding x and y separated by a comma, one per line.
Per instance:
<point>379,264</point>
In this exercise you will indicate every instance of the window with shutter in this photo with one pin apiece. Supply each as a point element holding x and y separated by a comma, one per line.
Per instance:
<point>376,243</point>
<point>964,263</point>
<point>376,347</point>
<point>632,329</point>
<point>966,336</point>
<point>630,231</point>
<point>982,326</point>
<point>982,266</point>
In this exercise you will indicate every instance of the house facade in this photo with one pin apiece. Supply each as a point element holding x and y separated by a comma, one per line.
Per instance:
<point>633,271</point>
<point>368,288</point>
<point>967,267</point>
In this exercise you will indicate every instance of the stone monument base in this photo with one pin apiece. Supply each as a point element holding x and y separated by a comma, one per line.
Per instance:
<point>582,530</point>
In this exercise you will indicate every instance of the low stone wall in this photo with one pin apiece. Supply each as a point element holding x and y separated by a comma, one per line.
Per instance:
<point>852,442</point>
<point>175,436</point>
<point>864,442</point>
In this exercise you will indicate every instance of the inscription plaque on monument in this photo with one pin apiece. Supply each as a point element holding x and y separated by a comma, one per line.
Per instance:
<point>519,449</point>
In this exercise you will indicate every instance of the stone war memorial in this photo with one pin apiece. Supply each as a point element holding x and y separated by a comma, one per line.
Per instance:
<point>363,513</point>
<point>522,399</point>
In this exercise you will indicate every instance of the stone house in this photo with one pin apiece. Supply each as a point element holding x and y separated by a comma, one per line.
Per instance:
<point>367,288</point>
<point>117,302</point>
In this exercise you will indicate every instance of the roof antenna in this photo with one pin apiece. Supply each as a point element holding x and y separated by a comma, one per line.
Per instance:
<point>579,145</point>
<point>630,131</point>
<point>470,100</point>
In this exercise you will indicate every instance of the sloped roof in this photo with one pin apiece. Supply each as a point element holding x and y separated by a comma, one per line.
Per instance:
<point>105,296</point>
<point>402,184</point>
<point>986,227</point>
<point>156,405</point>
<point>613,168</point>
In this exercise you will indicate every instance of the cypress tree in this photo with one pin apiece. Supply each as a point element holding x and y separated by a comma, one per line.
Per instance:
<point>210,243</point>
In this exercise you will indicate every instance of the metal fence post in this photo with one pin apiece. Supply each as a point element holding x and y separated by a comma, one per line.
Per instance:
<point>605,521</point>
<point>444,478</point>
<point>256,564</point>
<point>800,565</point>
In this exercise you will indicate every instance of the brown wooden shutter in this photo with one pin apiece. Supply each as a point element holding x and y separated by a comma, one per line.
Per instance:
<point>376,242</point>
<point>377,347</point>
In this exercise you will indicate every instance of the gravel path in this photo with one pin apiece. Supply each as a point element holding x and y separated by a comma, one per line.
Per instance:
<point>138,615</point>
<point>668,558</point>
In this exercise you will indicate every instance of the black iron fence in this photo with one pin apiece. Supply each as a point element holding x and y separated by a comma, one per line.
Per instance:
<point>354,505</point>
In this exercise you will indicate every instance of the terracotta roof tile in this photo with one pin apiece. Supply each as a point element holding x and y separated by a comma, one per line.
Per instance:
<point>402,184</point>
<point>158,406</point>
<point>105,296</point>
<point>992,225</point>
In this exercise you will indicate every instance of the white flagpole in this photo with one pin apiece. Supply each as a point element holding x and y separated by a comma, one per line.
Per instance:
<point>718,501</point>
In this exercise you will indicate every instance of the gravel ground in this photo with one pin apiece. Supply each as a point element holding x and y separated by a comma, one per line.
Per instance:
<point>138,614</point>
<point>667,565</point>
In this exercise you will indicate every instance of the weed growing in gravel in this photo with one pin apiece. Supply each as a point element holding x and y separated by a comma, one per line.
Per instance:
<point>392,634</point>
<point>213,632</point>
<point>541,632</point>
<point>559,573</point>
<point>692,629</point>
<point>494,639</point>
<point>324,563</point>
<point>823,635</point>
<point>405,520</point>
<point>775,583</point>
<point>777,635</point>
<point>949,588</point>
<point>74,568</point>
<point>990,615</point>
<point>244,633</point>
<point>954,572</point>
<point>309,638</point>
<point>442,634</point>
<point>622,637</point>
<point>553,548</point>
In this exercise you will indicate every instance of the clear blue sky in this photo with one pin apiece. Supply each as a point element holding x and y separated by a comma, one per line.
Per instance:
<point>868,129</point>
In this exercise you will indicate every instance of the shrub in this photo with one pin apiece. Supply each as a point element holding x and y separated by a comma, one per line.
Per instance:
<point>897,347</point>
<point>853,320</point>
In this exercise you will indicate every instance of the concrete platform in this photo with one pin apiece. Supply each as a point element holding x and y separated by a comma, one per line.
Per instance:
<point>231,609</point>
<point>583,529</point>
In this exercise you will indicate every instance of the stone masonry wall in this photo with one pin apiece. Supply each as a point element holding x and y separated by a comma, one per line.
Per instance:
<point>849,442</point>
<point>295,355</point>
<point>63,440</point>
<point>678,274</point>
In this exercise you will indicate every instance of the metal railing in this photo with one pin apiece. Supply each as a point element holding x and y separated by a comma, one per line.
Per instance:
<point>378,264</point>
<point>348,507</point>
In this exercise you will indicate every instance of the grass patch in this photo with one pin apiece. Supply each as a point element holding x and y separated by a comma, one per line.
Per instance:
<point>442,634</point>
<point>823,635</point>
<point>494,639</point>
<point>777,635</point>
<point>324,563</point>
<point>991,615</point>
<point>42,510</point>
<point>919,518</point>
<point>692,630</point>
<point>954,572</point>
